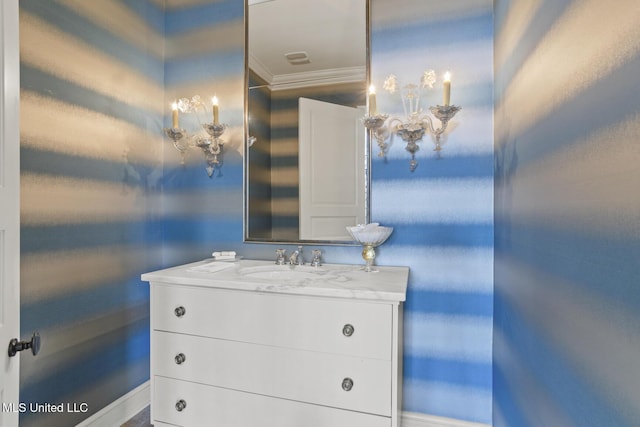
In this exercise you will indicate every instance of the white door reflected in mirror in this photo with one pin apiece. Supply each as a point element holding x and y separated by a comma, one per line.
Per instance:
<point>331,169</point>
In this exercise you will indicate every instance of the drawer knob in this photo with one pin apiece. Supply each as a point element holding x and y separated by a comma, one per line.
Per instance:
<point>180,311</point>
<point>347,384</point>
<point>180,405</point>
<point>348,330</point>
<point>180,358</point>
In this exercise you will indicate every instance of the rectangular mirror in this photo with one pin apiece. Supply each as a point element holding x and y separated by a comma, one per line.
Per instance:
<point>306,153</point>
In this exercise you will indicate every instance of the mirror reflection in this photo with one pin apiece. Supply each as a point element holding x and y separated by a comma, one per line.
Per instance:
<point>306,159</point>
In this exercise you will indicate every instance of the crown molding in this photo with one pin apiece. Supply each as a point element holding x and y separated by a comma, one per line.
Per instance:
<point>318,78</point>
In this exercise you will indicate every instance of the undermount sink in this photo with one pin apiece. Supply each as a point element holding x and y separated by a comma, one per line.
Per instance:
<point>286,272</point>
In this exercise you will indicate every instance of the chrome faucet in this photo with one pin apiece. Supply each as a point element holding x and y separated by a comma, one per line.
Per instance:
<point>296,257</point>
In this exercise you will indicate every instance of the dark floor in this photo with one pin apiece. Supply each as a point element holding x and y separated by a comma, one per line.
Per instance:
<point>140,420</point>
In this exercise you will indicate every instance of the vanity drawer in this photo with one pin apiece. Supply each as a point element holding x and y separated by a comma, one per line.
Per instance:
<point>354,328</point>
<point>292,374</point>
<point>213,406</point>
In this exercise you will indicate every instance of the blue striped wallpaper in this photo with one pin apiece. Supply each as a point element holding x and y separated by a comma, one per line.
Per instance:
<point>258,162</point>
<point>442,213</point>
<point>105,196</point>
<point>92,101</point>
<point>205,56</point>
<point>567,335</point>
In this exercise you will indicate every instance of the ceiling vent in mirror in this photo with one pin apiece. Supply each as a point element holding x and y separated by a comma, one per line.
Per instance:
<point>297,58</point>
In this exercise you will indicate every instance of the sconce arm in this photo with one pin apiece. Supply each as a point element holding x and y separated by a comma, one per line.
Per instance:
<point>375,125</point>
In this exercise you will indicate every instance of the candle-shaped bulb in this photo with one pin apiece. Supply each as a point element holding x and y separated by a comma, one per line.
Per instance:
<point>373,108</point>
<point>447,88</point>
<point>174,115</point>
<point>216,110</point>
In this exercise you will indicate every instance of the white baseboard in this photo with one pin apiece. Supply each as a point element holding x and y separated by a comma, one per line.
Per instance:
<point>121,410</point>
<point>413,419</point>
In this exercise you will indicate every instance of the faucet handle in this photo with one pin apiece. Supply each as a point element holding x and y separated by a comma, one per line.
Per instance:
<point>315,262</point>
<point>280,254</point>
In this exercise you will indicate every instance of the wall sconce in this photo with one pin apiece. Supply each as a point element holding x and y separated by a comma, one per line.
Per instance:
<point>208,141</point>
<point>415,123</point>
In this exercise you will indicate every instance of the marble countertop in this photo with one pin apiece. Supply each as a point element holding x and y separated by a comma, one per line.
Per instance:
<point>329,280</point>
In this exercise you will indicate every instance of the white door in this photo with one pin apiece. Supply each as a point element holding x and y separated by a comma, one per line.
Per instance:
<point>332,169</point>
<point>9,209</point>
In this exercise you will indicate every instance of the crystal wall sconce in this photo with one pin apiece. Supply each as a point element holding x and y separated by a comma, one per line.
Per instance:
<point>208,141</point>
<point>415,123</point>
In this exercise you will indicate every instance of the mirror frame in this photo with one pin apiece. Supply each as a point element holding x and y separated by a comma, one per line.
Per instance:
<point>245,162</point>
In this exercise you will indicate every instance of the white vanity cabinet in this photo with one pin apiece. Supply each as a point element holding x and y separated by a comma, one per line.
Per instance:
<point>322,349</point>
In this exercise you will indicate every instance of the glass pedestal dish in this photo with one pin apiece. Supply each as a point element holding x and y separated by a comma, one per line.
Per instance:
<point>370,236</point>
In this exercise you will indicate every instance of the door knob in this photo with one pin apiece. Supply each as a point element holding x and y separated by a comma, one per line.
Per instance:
<point>15,346</point>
